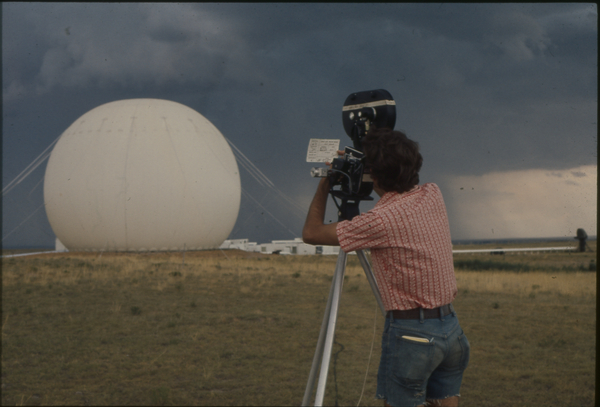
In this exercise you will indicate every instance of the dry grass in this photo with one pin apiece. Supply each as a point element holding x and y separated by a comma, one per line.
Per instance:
<point>110,267</point>
<point>578,284</point>
<point>233,328</point>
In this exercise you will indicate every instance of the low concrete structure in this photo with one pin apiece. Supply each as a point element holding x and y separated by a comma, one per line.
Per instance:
<point>286,247</point>
<point>59,247</point>
<point>240,244</point>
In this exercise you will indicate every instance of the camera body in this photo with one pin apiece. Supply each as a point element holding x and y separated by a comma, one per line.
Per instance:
<point>350,174</point>
<point>361,112</point>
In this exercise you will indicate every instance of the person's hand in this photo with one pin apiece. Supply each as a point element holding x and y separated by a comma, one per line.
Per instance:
<point>340,154</point>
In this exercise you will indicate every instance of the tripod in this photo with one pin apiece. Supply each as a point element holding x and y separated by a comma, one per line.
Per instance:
<point>326,336</point>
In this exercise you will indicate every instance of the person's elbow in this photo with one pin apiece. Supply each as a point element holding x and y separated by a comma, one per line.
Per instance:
<point>309,236</point>
<point>320,235</point>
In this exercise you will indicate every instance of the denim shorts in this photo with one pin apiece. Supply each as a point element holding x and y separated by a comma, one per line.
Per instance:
<point>429,367</point>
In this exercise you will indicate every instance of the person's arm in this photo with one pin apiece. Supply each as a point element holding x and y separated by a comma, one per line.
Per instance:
<point>315,231</point>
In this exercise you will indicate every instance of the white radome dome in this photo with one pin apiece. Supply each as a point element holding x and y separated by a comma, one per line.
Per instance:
<point>139,175</point>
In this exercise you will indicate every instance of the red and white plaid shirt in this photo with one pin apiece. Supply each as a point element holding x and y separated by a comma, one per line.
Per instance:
<point>411,249</point>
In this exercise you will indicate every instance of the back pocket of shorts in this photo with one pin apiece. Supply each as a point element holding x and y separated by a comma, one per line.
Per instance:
<point>412,360</point>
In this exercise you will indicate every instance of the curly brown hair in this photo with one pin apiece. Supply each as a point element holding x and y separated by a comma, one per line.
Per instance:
<point>394,159</point>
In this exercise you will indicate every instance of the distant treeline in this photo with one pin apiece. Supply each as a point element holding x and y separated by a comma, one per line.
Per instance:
<point>520,240</point>
<point>485,265</point>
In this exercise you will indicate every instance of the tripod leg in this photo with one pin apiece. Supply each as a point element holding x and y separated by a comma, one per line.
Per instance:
<point>325,327</point>
<point>328,346</point>
<point>369,273</point>
<point>319,351</point>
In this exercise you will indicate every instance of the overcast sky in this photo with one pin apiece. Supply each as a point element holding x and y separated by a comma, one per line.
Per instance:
<point>502,98</point>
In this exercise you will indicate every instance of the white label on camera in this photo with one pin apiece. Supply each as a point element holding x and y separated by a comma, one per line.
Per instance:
<point>369,104</point>
<point>322,150</point>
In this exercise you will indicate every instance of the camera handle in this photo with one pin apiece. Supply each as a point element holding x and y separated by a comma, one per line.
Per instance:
<point>347,209</point>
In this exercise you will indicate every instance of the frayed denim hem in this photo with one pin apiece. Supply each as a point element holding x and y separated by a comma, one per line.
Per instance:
<point>443,398</point>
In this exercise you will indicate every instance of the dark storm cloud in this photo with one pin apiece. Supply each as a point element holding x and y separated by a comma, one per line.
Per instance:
<point>481,87</point>
<point>120,46</point>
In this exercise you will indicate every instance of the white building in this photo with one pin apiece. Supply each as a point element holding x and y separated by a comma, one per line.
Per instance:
<point>296,246</point>
<point>240,244</point>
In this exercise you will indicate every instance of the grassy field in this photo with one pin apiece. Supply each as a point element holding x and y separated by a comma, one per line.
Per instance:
<point>235,328</point>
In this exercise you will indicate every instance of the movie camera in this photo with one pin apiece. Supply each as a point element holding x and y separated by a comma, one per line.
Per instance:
<point>361,112</point>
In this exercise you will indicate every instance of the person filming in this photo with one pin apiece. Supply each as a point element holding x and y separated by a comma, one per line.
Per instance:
<point>424,350</point>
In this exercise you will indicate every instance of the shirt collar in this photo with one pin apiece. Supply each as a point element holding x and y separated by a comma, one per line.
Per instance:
<point>388,196</point>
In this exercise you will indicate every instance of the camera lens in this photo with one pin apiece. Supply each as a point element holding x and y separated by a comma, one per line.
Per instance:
<point>368,113</point>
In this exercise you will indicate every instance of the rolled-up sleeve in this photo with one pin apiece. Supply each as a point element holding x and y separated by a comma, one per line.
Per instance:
<point>366,231</point>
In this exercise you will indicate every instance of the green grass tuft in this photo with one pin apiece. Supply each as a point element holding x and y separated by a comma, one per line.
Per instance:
<point>160,396</point>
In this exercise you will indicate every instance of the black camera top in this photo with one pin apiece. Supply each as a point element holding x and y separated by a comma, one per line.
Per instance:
<point>365,109</point>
